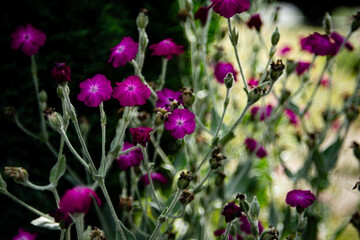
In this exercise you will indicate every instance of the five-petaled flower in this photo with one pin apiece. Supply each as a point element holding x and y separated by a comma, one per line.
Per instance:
<point>124,52</point>
<point>130,159</point>
<point>166,48</point>
<point>95,90</point>
<point>166,96</point>
<point>180,122</point>
<point>28,38</point>
<point>300,198</point>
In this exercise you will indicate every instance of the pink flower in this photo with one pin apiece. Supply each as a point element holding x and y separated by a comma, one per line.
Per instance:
<point>166,48</point>
<point>252,82</point>
<point>129,159</point>
<point>166,96</point>
<point>301,67</point>
<point>28,38</point>
<point>95,90</point>
<point>251,145</point>
<point>23,235</point>
<point>228,8</point>
<point>141,135</point>
<point>61,73</point>
<point>154,176</point>
<point>180,122</point>
<point>300,198</point>
<point>131,92</point>
<point>255,22</point>
<point>222,69</point>
<point>339,39</point>
<point>291,116</point>
<point>261,113</point>
<point>78,200</point>
<point>319,44</point>
<point>325,82</point>
<point>285,50</point>
<point>202,14</point>
<point>124,52</point>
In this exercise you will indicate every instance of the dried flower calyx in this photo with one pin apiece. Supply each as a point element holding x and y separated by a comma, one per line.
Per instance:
<point>185,179</point>
<point>19,174</point>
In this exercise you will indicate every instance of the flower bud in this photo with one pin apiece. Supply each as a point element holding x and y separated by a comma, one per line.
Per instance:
<point>234,36</point>
<point>327,23</point>
<point>143,116</point>
<point>312,139</point>
<point>270,234</point>
<point>43,99</point>
<point>254,95</point>
<point>184,180</point>
<point>187,96</point>
<point>243,203</point>
<point>97,234</point>
<point>126,203</point>
<point>290,67</point>
<point>144,40</point>
<point>355,220</point>
<point>352,112</point>
<point>19,174</point>
<point>55,120</point>
<point>186,197</point>
<point>276,70</point>
<point>285,94</point>
<point>142,19</point>
<point>356,22</point>
<point>255,208</point>
<point>229,80</point>
<point>61,73</point>
<point>275,37</point>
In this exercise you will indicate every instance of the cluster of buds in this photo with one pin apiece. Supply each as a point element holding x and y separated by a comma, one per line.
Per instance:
<point>126,203</point>
<point>184,180</point>
<point>187,96</point>
<point>216,159</point>
<point>19,174</point>
<point>186,197</point>
<point>97,234</point>
<point>61,73</point>
<point>276,70</point>
<point>255,94</point>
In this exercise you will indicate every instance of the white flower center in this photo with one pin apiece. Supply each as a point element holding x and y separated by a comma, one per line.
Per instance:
<point>94,88</point>
<point>131,88</point>
<point>120,49</point>
<point>180,122</point>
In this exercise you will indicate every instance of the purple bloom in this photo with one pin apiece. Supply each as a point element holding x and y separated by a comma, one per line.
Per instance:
<point>251,145</point>
<point>166,48</point>
<point>338,39</point>
<point>61,73</point>
<point>246,227</point>
<point>202,14</point>
<point>231,211</point>
<point>154,176</point>
<point>319,44</point>
<point>78,200</point>
<point>166,96</point>
<point>124,52</point>
<point>28,38</point>
<point>95,90</point>
<point>129,159</point>
<point>228,8</point>
<point>291,116</point>
<point>131,92</point>
<point>255,22</point>
<point>300,198</point>
<point>141,135</point>
<point>220,232</point>
<point>261,113</point>
<point>23,235</point>
<point>252,82</point>
<point>285,50</point>
<point>222,69</point>
<point>180,122</point>
<point>62,218</point>
<point>301,67</point>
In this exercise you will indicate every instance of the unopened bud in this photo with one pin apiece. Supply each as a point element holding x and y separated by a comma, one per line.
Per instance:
<point>243,203</point>
<point>327,23</point>
<point>275,37</point>
<point>356,149</point>
<point>97,234</point>
<point>55,120</point>
<point>84,125</point>
<point>356,22</point>
<point>184,180</point>
<point>229,80</point>
<point>142,19</point>
<point>19,174</point>
<point>43,99</point>
<point>276,70</point>
<point>126,203</point>
<point>186,197</point>
<point>61,73</point>
<point>254,95</point>
<point>255,208</point>
<point>189,5</point>
<point>285,94</point>
<point>187,96</point>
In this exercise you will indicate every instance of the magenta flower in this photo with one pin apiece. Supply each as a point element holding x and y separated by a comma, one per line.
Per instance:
<point>131,92</point>
<point>231,211</point>
<point>95,90</point>
<point>124,52</point>
<point>319,44</point>
<point>180,122</point>
<point>325,82</point>
<point>166,48</point>
<point>261,113</point>
<point>61,73</point>
<point>78,200</point>
<point>300,198</point>
<point>166,96</point>
<point>245,225</point>
<point>222,69</point>
<point>141,135</point>
<point>202,14</point>
<point>301,67</point>
<point>252,82</point>
<point>291,116</point>
<point>339,39</point>
<point>285,50</point>
<point>251,145</point>
<point>255,22</point>
<point>62,218</point>
<point>154,176</point>
<point>129,159</point>
<point>28,38</point>
<point>228,8</point>
<point>220,232</point>
<point>23,235</point>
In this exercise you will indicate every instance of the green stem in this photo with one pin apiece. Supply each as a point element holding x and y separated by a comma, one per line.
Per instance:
<point>163,73</point>
<point>202,182</point>
<point>226,104</point>
<point>139,74</point>
<point>78,219</point>
<point>226,234</point>
<point>103,132</point>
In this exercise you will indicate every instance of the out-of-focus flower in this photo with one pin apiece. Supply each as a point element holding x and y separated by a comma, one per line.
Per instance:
<point>231,211</point>
<point>220,232</point>
<point>166,48</point>
<point>78,200</point>
<point>95,90</point>
<point>154,176</point>
<point>325,82</point>
<point>284,50</point>
<point>251,145</point>
<point>62,218</point>
<point>131,92</point>
<point>291,116</point>
<point>261,113</point>
<point>228,8</point>
<point>300,198</point>
<point>124,52</point>
<point>141,135</point>
<point>252,82</point>
<point>339,39</point>
<point>130,159</point>
<point>202,14</point>
<point>319,44</point>
<point>61,73</point>
<point>180,122</point>
<point>166,96</point>
<point>301,67</point>
<point>23,235</point>
<point>255,22</point>
<point>246,227</point>
<point>28,38</point>
<point>222,69</point>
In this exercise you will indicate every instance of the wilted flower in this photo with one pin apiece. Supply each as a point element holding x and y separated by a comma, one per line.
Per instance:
<point>222,69</point>
<point>95,90</point>
<point>141,135</point>
<point>301,67</point>
<point>130,159</point>
<point>154,176</point>
<point>131,92</point>
<point>255,22</point>
<point>202,14</point>
<point>23,235</point>
<point>78,200</point>
<point>28,38</point>
<point>61,73</point>
<point>231,211</point>
<point>300,198</point>
<point>124,52</point>
<point>166,96</point>
<point>180,122</point>
<point>166,48</point>
<point>246,227</point>
<point>228,8</point>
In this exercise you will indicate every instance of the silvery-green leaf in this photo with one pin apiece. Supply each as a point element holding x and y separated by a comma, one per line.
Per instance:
<point>45,223</point>
<point>58,170</point>
<point>2,184</point>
